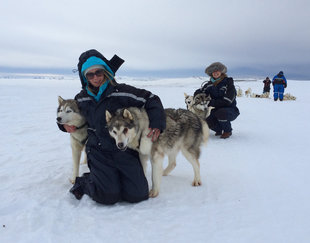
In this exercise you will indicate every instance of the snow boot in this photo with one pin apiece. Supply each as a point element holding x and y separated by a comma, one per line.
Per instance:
<point>218,133</point>
<point>77,189</point>
<point>226,135</point>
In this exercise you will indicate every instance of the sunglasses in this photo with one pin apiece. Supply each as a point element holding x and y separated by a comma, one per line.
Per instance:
<point>98,73</point>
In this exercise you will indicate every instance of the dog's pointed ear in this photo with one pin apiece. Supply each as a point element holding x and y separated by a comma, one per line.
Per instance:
<point>127,114</point>
<point>108,116</point>
<point>60,99</point>
<point>186,95</point>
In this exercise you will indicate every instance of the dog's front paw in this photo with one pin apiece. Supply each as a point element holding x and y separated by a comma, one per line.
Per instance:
<point>153,193</point>
<point>72,180</point>
<point>196,183</point>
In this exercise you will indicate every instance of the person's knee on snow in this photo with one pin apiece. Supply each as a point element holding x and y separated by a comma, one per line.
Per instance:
<point>97,76</point>
<point>223,94</point>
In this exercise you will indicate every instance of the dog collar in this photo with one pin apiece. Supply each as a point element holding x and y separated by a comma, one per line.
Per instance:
<point>82,126</point>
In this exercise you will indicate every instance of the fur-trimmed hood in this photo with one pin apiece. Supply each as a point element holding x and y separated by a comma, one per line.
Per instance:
<point>216,66</point>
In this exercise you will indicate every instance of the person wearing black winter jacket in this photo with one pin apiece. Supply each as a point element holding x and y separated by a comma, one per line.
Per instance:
<point>223,98</point>
<point>114,175</point>
<point>267,83</point>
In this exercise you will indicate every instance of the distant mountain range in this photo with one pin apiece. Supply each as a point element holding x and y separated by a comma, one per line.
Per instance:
<point>291,72</point>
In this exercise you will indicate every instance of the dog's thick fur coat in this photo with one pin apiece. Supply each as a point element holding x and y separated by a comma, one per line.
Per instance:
<point>68,113</point>
<point>184,131</point>
<point>198,104</point>
<point>248,92</point>
<point>239,91</point>
<point>288,96</point>
<point>264,95</point>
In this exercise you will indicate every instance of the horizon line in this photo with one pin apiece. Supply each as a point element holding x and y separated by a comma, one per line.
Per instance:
<point>167,73</point>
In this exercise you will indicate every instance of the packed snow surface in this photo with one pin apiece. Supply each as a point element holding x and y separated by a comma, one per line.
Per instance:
<point>255,185</point>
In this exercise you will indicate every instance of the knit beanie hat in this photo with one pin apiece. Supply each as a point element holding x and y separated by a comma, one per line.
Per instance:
<point>94,62</point>
<point>91,68</point>
<point>92,57</point>
<point>216,66</point>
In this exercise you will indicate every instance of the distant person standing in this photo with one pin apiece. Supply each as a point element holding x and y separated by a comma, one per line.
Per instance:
<point>279,84</point>
<point>267,83</point>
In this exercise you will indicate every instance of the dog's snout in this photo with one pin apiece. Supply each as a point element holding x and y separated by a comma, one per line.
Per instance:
<point>121,146</point>
<point>58,119</point>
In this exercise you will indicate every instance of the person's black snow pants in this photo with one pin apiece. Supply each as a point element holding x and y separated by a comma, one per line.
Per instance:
<point>114,177</point>
<point>219,119</point>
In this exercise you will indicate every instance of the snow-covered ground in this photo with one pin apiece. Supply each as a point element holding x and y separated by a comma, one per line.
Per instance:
<point>255,184</point>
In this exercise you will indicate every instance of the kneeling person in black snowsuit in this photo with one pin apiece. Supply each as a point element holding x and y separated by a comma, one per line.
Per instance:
<point>114,174</point>
<point>223,94</point>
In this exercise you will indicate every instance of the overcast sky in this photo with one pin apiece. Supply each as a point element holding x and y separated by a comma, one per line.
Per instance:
<point>266,35</point>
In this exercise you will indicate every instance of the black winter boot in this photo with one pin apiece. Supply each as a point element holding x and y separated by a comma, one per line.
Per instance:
<point>77,189</point>
<point>218,133</point>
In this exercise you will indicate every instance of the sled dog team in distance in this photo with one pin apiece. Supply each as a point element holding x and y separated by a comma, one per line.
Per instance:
<point>120,128</point>
<point>279,83</point>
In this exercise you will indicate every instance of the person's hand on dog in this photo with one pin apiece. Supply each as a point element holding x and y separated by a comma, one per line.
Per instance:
<point>154,133</point>
<point>69,128</point>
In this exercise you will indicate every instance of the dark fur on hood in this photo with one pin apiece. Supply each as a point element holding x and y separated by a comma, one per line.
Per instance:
<point>216,66</point>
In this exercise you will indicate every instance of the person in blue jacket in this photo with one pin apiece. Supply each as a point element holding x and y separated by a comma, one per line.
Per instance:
<point>279,84</point>
<point>114,175</point>
<point>222,90</point>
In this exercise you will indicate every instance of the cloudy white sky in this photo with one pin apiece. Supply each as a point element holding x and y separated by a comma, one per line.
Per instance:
<point>248,36</point>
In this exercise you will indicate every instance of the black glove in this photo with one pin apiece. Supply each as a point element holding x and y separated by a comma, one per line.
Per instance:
<point>211,103</point>
<point>207,90</point>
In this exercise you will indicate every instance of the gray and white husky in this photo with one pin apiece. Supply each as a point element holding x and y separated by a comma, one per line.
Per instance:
<point>184,131</point>
<point>68,113</point>
<point>198,104</point>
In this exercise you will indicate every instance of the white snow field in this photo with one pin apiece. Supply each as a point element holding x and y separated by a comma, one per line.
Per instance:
<point>255,184</point>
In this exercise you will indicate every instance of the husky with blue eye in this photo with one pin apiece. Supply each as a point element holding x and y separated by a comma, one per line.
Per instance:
<point>184,132</point>
<point>68,113</point>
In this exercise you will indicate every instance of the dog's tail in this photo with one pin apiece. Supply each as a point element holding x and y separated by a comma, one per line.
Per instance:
<point>205,132</point>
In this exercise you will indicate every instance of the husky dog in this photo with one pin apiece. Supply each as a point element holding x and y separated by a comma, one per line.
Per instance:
<point>198,104</point>
<point>184,131</point>
<point>288,96</point>
<point>189,101</point>
<point>239,91</point>
<point>248,92</point>
<point>264,95</point>
<point>68,113</point>
<point>253,95</point>
<point>201,102</point>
